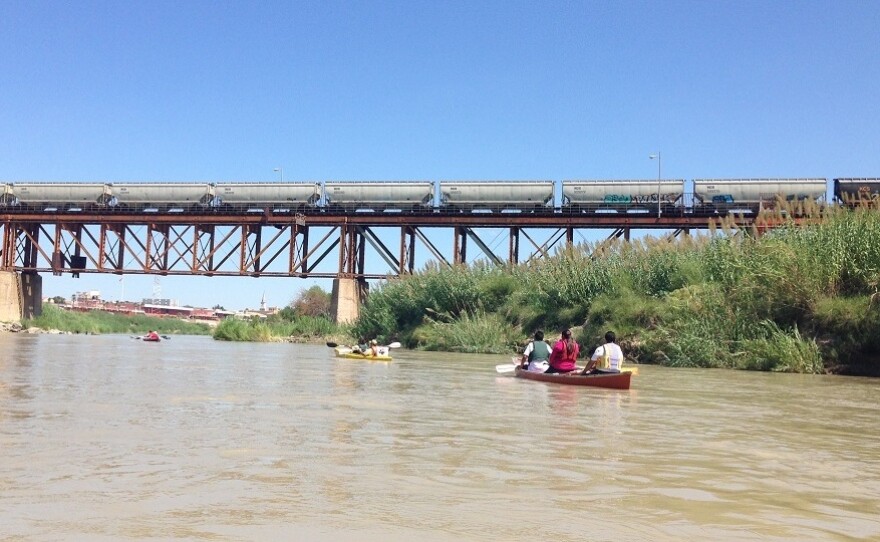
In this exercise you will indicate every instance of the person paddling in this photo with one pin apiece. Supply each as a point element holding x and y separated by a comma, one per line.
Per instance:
<point>610,355</point>
<point>536,354</point>
<point>564,355</point>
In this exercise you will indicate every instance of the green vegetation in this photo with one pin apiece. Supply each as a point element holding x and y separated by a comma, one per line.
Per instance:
<point>796,299</point>
<point>107,322</point>
<point>276,328</point>
<point>304,320</point>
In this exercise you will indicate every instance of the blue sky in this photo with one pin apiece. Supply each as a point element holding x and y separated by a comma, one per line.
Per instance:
<point>188,91</point>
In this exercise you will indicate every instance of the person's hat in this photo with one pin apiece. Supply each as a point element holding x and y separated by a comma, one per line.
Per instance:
<point>373,342</point>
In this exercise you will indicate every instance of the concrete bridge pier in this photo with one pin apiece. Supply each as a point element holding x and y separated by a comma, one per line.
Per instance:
<point>21,296</point>
<point>348,294</point>
<point>31,295</point>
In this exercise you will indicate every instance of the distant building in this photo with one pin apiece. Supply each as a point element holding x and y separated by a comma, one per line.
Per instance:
<point>91,295</point>
<point>167,310</point>
<point>160,301</point>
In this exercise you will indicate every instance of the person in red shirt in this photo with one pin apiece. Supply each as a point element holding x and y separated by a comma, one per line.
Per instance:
<point>564,355</point>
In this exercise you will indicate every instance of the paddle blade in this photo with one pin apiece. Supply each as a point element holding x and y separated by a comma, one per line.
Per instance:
<point>394,345</point>
<point>506,368</point>
<point>332,344</point>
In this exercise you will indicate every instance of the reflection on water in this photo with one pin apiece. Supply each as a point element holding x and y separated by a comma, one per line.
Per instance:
<point>105,438</point>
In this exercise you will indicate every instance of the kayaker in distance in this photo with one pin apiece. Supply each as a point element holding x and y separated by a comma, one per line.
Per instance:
<point>536,354</point>
<point>366,348</point>
<point>361,347</point>
<point>610,355</point>
<point>151,336</point>
<point>564,355</point>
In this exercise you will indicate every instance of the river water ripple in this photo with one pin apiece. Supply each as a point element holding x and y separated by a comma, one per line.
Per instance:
<point>109,438</point>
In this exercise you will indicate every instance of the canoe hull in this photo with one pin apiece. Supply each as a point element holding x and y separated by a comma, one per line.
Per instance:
<point>617,381</point>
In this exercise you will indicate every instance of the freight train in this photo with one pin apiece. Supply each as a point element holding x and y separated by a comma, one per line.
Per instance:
<point>696,196</point>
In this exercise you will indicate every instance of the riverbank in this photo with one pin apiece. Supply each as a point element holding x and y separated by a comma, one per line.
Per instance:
<point>15,327</point>
<point>54,318</point>
<point>797,298</point>
<point>299,330</point>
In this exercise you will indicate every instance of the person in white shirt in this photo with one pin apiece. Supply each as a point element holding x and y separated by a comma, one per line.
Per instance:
<point>536,354</point>
<point>608,357</point>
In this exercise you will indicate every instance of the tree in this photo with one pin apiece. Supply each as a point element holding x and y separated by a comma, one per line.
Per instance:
<point>312,302</point>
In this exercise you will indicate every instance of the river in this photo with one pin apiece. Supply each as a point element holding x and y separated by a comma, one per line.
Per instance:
<point>108,438</point>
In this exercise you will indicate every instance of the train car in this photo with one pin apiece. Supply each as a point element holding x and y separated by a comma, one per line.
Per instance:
<point>162,196</point>
<point>624,196</point>
<point>6,196</point>
<point>856,192</point>
<point>723,196</point>
<point>280,197</point>
<point>56,196</point>
<point>497,196</point>
<point>341,196</point>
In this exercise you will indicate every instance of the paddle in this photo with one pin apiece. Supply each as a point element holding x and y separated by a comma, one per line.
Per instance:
<point>395,344</point>
<point>508,367</point>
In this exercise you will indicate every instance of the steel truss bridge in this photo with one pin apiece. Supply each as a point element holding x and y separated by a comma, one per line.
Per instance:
<point>293,245</point>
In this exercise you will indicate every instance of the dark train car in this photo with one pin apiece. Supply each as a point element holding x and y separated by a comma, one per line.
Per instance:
<point>857,191</point>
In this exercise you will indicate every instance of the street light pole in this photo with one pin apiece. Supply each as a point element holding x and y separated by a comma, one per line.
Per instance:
<point>281,171</point>
<point>659,163</point>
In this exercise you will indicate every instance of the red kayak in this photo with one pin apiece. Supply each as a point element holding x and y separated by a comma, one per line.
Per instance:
<point>617,381</point>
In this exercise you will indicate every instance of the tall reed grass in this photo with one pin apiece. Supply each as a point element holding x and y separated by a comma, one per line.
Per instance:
<point>302,328</point>
<point>736,298</point>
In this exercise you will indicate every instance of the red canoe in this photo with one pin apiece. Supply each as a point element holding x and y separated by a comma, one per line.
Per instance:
<point>617,381</point>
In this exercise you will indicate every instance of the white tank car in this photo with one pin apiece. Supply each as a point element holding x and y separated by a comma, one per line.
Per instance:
<point>754,194</point>
<point>277,195</point>
<point>165,195</point>
<point>378,195</point>
<point>61,195</point>
<point>496,195</point>
<point>621,195</point>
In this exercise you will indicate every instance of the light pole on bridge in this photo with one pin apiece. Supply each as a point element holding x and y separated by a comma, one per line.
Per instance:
<point>657,156</point>
<point>281,171</point>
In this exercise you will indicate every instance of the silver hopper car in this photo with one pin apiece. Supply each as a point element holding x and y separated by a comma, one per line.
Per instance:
<point>378,195</point>
<point>626,196</point>
<point>57,196</point>
<point>280,197</point>
<point>525,196</point>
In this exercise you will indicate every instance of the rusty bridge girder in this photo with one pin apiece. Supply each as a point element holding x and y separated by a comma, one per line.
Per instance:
<point>288,246</point>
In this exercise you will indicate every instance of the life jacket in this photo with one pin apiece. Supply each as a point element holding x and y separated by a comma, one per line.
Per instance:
<point>604,361</point>
<point>540,351</point>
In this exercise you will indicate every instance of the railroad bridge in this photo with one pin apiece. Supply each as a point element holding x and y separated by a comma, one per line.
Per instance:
<point>288,244</point>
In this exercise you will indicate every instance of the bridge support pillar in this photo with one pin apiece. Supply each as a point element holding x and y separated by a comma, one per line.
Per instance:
<point>348,294</point>
<point>31,295</point>
<point>10,297</point>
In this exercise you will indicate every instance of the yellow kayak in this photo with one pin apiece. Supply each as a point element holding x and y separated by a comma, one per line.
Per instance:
<point>347,353</point>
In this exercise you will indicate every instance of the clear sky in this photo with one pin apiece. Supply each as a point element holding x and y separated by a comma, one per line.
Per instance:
<point>206,90</point>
